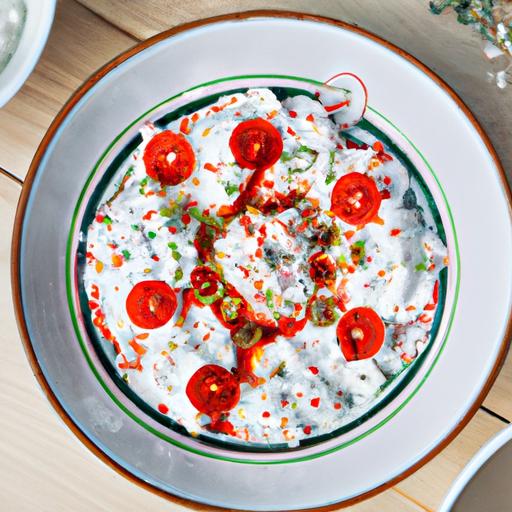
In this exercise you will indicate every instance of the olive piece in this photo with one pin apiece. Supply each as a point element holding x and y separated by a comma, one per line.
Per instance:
<point>247,335</point>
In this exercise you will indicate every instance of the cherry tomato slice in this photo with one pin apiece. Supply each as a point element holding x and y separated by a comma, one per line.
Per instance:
<point>213,390</point>
<point>256,144</point>
<point>360,333</point>
<point>169,158</point>
<point>355,199</point>
<point>323,269</point>
<point>151,304</point>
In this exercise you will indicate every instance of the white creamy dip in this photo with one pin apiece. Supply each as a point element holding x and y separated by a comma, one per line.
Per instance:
<point>307,387</point>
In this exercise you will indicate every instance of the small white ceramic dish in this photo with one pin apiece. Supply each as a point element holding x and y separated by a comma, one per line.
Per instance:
<point>484,483</point>
<point>33,39</point>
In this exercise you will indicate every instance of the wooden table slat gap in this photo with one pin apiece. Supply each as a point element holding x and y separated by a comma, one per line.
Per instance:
<point>11,175</point>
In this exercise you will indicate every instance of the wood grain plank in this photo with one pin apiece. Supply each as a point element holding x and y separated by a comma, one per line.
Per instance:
<point>79,43</point>
<point>498,399</point>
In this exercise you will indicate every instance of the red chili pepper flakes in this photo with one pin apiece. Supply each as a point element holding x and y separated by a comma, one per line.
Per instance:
<point>313,370</point>
<point>410,308</point>
<point>284,403</point>
<point>435,294</point>
<point>300,394</point>
<point>184,126</point>
<point>190,205</point>
<point>163,408</point>
<point>337,405</point>
<point>292,113</point>
<point>93,305</point>
<point>429,307</point>
<point>260,240</point>
<point>172,229</point>
<point>206,337</point>
<point>378,146</point>
<point>210,167</point>
<point>424,318</point>
<point>185,218</point>
<point>387,180</point>
<point>340,393</point>
<point>311,118</point>
<point>369,259</point>
<point>315,402</point>
<point>351,269</point>
<point>195,117</point>
<point>196,324</point>
<point>155,257</point>
<point>349,234</point>
<point>258,253</point>
<point>381,273</point>
<point>395,232</point>
<point>244,270</point>
<point>291,132</point>
<point>385,194</point>
<point>307,429</point>
<point>95,292</point>
<point>265,414</point>
<point>396,309</point>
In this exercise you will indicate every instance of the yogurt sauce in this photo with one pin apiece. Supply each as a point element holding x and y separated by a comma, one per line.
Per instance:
<point>308,388</point>
<point>13,14</point>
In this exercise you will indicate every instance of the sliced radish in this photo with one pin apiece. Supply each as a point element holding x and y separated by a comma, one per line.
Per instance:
<point>344,96</point>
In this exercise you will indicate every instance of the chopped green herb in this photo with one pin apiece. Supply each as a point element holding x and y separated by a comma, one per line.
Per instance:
<point>176,255</point>
<point>420,266</point>
<point>172,346</point>
<point>331,175</point>
<point>135,227</point>
<point>126,254</point>
<point>151,234</point>
<point>166,212</point>
<point>285,156</point>
<point>230,188</point>
<point>269,295</point>
<point>178,274</point>
<point>205,219</point>
<point>306,149</point>
<point>172,245</point>
<point>107,220</point>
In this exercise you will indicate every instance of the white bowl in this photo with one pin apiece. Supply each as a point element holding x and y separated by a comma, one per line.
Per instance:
<point>35,33</point>
<point>484,483</point>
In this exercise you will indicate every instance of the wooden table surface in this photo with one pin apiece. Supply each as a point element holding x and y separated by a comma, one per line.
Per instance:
<point>42,466</point>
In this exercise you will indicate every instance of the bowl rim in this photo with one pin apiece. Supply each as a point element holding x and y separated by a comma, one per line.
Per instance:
<point>21,64</point>
<point>471,469</point>
<point>82,91</point>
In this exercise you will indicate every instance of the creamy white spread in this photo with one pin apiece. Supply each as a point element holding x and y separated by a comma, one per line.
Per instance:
<point>308,388</point>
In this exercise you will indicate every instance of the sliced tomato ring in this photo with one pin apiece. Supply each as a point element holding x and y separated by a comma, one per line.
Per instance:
<point>323,269</point>
<point>355,199</point>
<point>213,390</point>
<point>169,158</point>
<point>360,333</point>
<point>256,144</point>
<point>151,304</point>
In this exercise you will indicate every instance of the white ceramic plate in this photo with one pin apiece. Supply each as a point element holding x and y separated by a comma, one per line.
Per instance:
<point>408,103</point>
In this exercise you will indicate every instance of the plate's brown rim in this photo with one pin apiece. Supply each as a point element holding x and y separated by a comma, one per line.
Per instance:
<point>81,91</point>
